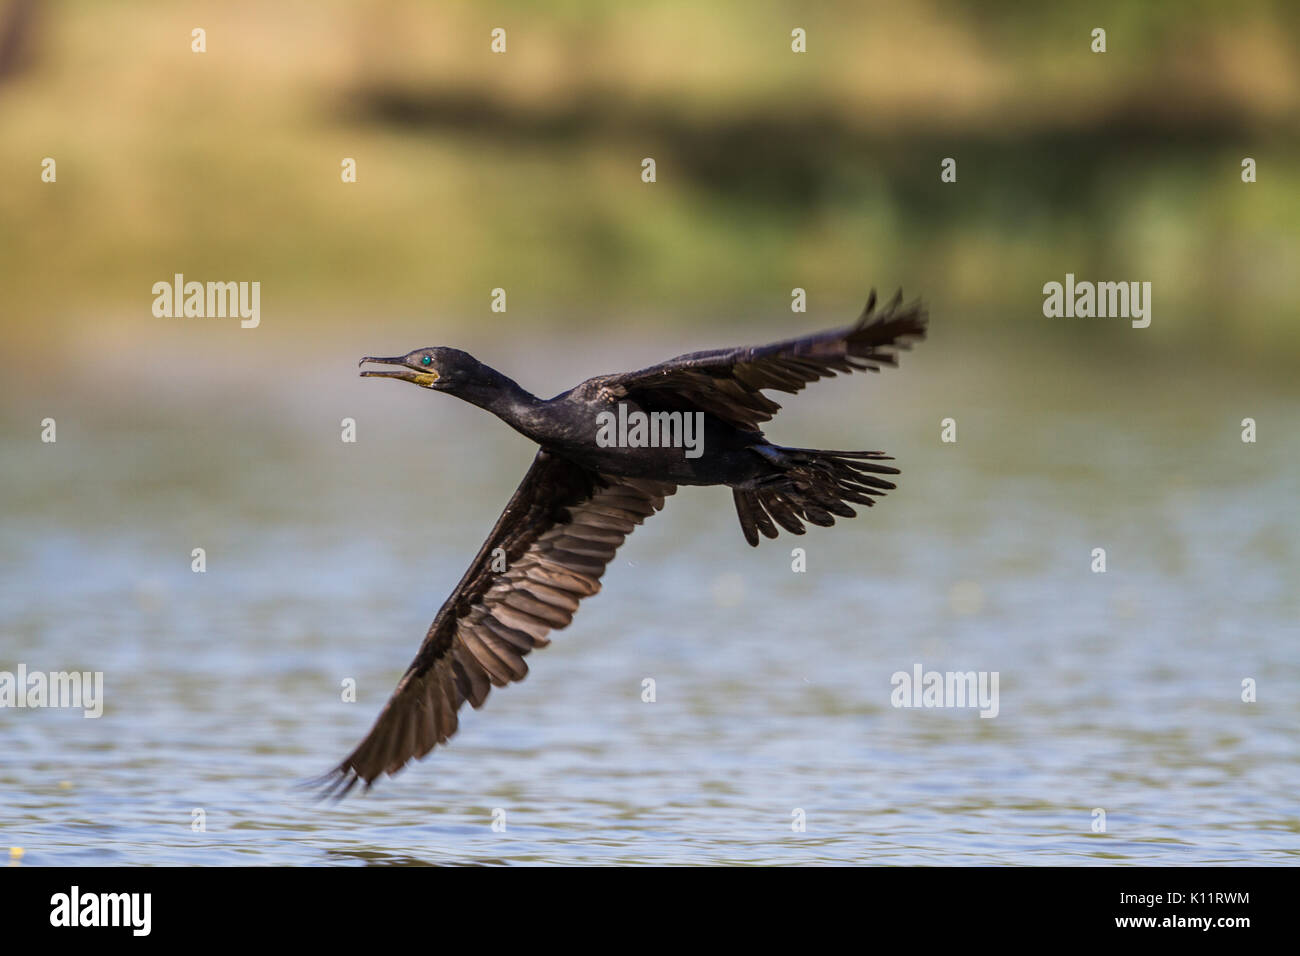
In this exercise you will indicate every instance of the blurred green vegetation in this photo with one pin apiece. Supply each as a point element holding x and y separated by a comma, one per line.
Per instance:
<point>775,169</point>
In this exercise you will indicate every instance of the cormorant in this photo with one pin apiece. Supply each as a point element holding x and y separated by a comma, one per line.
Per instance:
<point>582,497</point>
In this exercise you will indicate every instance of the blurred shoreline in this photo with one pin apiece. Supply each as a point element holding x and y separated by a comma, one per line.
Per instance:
<point>775,170</point>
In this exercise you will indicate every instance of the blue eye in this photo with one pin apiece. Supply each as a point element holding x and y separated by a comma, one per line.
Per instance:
<point>427,360</point>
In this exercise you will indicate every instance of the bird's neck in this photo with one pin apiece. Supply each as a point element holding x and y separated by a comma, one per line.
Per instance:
<point>506,399</point>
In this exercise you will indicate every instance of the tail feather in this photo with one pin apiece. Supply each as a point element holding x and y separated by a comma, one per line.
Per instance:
<point>813,486</point>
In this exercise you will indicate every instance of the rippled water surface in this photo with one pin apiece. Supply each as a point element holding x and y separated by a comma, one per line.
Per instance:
<point>326,561</point>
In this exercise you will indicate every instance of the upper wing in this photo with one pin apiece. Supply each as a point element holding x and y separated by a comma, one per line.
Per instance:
<point>727,382</point>
<point>555,537</point>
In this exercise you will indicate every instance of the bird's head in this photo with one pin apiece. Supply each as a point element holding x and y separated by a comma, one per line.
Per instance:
<point>437,368</point>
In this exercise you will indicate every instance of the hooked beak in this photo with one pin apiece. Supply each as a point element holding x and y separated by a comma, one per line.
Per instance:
<point>422,377</point>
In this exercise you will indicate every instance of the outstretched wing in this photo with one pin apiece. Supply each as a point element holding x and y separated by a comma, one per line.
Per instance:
<point>556,536</point>
<point>728,382</point>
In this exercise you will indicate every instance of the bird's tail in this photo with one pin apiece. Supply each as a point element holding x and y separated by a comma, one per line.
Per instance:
<point>812,486</point>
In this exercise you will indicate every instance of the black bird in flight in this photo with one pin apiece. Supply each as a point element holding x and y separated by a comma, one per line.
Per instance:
<point>582,497</point>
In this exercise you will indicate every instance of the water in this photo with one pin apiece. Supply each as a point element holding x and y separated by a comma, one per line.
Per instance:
<point>326,561</point>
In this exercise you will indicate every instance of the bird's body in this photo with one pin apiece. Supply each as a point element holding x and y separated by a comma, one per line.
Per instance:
<point>577,412</point>
<point>585,493</point>
<point>566,424</point>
